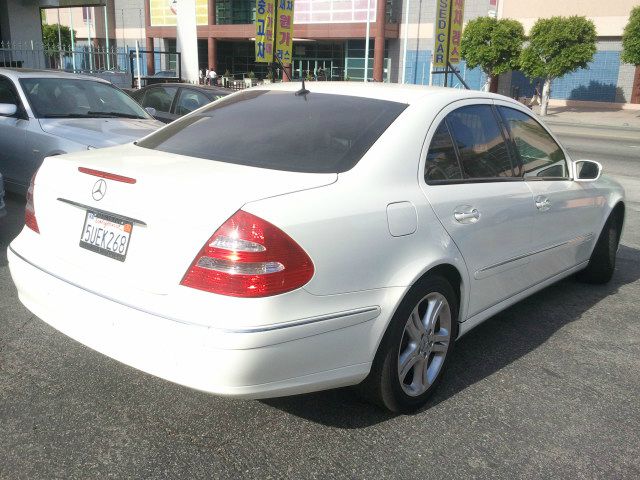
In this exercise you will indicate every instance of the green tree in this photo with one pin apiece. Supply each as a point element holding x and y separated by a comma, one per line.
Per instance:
<point>631,39</point>
<point>493,45</point>
<point>557,46</point>
<point>50,36</point>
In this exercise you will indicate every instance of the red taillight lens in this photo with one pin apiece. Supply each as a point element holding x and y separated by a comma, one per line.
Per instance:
<point>29,209</point>
<point>249,257</point>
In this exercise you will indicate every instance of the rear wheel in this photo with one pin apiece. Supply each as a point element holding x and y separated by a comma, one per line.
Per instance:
<point>603,259</point>
<point>415,349</point>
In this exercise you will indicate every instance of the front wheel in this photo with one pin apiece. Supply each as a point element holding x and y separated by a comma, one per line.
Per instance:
<point>603,259</point>
<point>415,349</point>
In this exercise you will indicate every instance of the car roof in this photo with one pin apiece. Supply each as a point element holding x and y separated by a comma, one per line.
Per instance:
<point>394,92</point>
<point>16,73</point>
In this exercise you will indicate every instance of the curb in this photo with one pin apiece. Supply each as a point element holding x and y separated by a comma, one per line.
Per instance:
<point>592,126</point>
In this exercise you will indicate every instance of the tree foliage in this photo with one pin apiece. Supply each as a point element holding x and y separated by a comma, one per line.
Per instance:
<point>50,35</point>
<point>557,46</point>
<point>631,39</point>
<point>493,45</point>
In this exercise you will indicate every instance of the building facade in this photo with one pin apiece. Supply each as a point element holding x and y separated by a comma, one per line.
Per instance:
<point>329,35</point>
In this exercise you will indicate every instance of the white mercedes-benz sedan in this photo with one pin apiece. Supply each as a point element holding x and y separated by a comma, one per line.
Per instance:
<point>277,242</point>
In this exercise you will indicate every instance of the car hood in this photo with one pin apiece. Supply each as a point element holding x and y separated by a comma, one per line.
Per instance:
<point>100,132</point>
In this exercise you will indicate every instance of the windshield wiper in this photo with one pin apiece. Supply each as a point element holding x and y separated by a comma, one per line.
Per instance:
<point>113,114</point>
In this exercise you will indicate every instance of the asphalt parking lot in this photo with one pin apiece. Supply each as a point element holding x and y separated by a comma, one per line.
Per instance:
<point>549,388</point>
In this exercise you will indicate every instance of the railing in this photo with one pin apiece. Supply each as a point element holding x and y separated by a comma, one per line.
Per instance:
<point>80,59</point>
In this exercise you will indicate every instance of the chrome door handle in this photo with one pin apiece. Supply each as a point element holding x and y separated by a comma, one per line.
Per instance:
<point>466,214</point>
<point>542,203</point>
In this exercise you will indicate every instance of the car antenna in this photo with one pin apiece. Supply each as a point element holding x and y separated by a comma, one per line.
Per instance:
<point>303,90</point>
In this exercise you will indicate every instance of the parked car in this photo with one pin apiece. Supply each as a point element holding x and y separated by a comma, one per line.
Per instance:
<point>351,241</point>
<point>46,113</point>
<point>169,101</point>
<point>3,210</point>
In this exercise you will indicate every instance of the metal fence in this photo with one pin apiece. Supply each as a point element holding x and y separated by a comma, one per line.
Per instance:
<point>80,59</point>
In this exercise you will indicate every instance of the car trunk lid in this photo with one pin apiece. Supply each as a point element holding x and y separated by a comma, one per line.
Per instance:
<point>174,204</point>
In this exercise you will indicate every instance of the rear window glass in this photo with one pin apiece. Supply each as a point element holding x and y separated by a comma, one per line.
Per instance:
<point>317,133</point>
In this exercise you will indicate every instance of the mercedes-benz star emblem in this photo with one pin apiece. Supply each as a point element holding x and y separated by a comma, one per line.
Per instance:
<point>99,190</point>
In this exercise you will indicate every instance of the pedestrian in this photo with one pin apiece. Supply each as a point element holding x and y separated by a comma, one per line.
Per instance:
<point>536,99</point>
<point>212,76</point>
<point>206,76</point>
<point>201,76</point>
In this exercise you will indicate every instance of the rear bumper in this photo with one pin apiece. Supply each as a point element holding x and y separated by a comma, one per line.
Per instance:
<point>308,355</point>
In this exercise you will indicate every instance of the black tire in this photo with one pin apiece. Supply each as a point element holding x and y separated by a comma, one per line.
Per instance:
<point>384,386</point>
<point>603,259</point>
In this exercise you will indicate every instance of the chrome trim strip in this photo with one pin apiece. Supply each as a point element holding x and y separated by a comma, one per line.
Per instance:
<point>97,210</point>
<point>559,274</point>
<point>256,329</point>
<point>308,320</point>
<point>574,241</point>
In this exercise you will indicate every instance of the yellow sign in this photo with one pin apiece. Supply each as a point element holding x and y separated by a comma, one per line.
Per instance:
<point>457,19</point>
<point>443,21</point>
<point>284,31</point>
<point>163,12</point>
<point>265,15</point>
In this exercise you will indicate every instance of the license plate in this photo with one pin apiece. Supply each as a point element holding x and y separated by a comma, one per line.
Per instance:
<point>106,234</point>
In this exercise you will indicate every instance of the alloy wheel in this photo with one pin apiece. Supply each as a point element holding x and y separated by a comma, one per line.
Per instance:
<point>424,344</point>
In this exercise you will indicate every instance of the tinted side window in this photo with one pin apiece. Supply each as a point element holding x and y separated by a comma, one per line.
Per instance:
<point>160,98</point>
<point>538,153</point>
<point>477,134</point>
<point>189,101</point>
<point>442,161</point>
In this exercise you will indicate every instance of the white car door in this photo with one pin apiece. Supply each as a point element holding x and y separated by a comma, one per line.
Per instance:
<point>566,212</point>
<point>469,181</point>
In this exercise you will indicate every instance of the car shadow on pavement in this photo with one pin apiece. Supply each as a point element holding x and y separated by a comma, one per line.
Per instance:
<point>493,345</point>
<point>11,224</point>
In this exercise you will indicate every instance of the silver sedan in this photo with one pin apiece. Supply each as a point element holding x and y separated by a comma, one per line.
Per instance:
<point>44,113</point>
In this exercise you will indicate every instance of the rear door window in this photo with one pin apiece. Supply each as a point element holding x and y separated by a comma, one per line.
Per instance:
<point>538,154</point>
<point>480,142</point>
<point>190,100</point>
<point>442,161</point>
<point>317,132</point>
<point>159,98</point>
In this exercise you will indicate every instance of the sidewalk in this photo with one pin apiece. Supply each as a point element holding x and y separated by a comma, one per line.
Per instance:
<point>587,117</point>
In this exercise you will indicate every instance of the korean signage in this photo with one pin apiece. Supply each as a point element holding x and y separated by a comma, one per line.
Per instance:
<point>274,30</point>
<point>284,31</point>
<point>443,17</point>
<point>265,15</point>
<point>456,21</point>
<point>448,26</point>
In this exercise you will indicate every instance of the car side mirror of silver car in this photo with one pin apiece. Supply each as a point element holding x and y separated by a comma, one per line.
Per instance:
<point>8,109</point>
<point>587,170</point>
<point>151,111</point>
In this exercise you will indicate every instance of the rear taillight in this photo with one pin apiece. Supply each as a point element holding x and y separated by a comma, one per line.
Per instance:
<point>29,209</point>
<point>249,257</point>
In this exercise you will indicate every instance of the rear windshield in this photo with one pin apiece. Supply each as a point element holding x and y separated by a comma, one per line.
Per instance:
<point>317,133</point>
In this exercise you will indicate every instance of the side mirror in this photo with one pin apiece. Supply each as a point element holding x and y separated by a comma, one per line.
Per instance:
<point>587,170</point>
<point>151,111</point>
<point>8,109</point>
